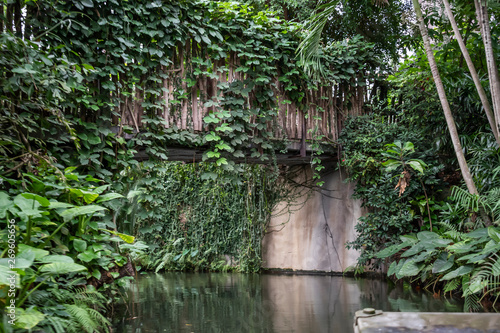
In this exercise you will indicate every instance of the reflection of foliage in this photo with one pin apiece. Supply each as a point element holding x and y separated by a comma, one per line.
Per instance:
<point>464,262</point>
<point>216,302</point>
<point>406,298</point>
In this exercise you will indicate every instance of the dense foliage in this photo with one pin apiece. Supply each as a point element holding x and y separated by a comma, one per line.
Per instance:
<point>88,85</point>
<point>55,242</point>
<point>400,196</point>
<point>199,217</point>
<point>459,254</point>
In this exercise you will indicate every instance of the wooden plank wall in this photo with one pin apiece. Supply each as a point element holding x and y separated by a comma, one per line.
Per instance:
<point>183,104</point>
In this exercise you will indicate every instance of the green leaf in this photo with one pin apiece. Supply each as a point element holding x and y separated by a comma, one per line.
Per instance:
<point>212,137</point>
<point>392,268</point>
<point>29,207</point>
<point>94,140</point>
<point>221,161</point>
<point>460,247</point>
<point>415,249</point>
<point>89,197</point>
<point>87,3</point>
<point>391,165</point>
<point>478,233</point>
<point>127,238</point>
<point>81,210</point>
<point>416,166</point>
<point>37,253</point>
<point>80,245</point>
<point>57,258</point>
<point>443,263</point>
<point>109,196</point>
<point>408,146</point>
<point>462,270</point>
<point>494,234</point>
<point>391,250</point>
<point>61,268</point>
<point>87,256</point>
<point>57,205</point>
<point>427,235</point>
<point>43,201</point>
<point>27,319</point>
<point>6,273</point>
<point>5,204</point>
<point>410,268</point>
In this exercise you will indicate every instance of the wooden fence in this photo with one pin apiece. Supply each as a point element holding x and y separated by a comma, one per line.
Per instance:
<point>323,111</point>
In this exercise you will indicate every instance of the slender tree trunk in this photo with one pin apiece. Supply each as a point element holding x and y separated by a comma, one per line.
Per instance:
<point>473,72</point>
<point>464,168</point>
<point>484,23</point>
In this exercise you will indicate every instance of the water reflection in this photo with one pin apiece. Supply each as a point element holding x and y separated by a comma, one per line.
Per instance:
<point>219,302</point>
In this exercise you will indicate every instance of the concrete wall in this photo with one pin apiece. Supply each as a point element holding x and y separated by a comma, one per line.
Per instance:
<point>314,236</point>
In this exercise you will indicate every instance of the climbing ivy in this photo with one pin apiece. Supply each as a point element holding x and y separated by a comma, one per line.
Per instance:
<point>201,217</point>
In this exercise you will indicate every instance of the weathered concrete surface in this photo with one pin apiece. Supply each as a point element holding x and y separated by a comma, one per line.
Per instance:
<point>314,236</point>
<point>428,322</point>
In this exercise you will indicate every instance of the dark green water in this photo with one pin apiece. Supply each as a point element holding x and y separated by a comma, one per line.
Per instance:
<point>230,302</point>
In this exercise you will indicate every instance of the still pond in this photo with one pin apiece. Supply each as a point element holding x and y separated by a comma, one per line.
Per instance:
<point>230,302</point>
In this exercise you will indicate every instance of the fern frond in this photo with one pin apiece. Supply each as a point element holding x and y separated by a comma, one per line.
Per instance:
<point>457,236</point>
<point>82,317</point>
<point>465,200</point>
<point>452,285</point>
<point>471,303</point>
<point>58,324</point>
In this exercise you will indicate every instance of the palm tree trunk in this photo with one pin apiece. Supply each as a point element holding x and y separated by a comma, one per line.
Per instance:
<point>484,23</point>
<point>480,90</point>
<point>464,168</point>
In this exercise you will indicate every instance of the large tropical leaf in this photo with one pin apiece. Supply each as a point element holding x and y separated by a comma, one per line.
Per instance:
<point>391,250</point>
<point>38,254</point>
<point>5,204</point>
<point>443,263</point>
<point>308,49</point>
<point>61,268</point>
<point>57,258</point>
<point>109,196</point>
<point>127,238</point>
<point>27,319</point>
<point>82,210</point>
<point>409,268</point>
<point>43,201</point>
<point>462,270</point>
<point>28,207</point>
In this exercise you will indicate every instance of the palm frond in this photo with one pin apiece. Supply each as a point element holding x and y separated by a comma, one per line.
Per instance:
<point>309,49</point>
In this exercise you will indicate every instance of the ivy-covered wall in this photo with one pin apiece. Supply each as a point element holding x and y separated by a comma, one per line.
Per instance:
<point>170,70</point>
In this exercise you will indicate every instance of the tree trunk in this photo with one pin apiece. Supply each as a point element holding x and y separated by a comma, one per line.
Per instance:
<point>464,168</point>
<point>484,23</point>
<point>473,72</point>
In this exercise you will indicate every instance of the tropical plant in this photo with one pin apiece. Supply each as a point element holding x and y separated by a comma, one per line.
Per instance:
<point>477,82</point>
<point>199,217</point>
<point>54,243</point>
<point>380,169</point>
<point>463,262</point>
